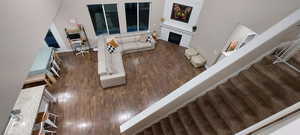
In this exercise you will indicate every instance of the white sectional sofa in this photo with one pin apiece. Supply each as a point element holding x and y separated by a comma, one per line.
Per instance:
<point>110,66</point>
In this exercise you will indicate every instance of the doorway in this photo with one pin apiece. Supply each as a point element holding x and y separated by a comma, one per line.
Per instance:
<point>50,40</point>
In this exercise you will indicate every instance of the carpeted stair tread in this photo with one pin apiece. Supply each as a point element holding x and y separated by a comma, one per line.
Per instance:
<point>242,83</point>
<point>248,94</point>
<point>228,115</point>
<point>262,84</point>
<point>297,57</point>
<point>288,95</point>
<point>213,117</point>
<point>248,116</point>
<point>188,122</point>
<point>148,131</point>
<point>141,133</point>
<point>156,129</point>
<point>287,79</point>
<point>201,121</point>
<point>251,81</point>
<point>166,127</point>
<point>176,124</point>
<point>252,102</point>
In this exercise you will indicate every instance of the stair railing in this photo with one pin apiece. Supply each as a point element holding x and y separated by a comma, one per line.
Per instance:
<point>286,51</point>
<point>270,120</point>
<point>261,46</point>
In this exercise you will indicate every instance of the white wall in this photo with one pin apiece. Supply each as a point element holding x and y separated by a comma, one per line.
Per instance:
<point>219,18</point>
<point>77,9</point>
<point>23,26</point>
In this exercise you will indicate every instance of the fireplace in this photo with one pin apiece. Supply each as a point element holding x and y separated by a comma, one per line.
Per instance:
<point>174,38</point>
<point>179,19</point>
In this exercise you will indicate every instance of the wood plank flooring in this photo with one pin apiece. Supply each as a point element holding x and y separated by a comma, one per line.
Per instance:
<point>87,109</point>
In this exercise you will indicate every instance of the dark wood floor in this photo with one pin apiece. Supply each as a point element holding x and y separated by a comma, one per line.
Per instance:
<point>87,109</point>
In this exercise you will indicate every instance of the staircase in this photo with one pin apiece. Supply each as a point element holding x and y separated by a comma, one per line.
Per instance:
<point>253,95</point>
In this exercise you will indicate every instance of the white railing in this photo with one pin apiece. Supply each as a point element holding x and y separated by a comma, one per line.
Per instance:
<point>287,50</point>
<point>230,66</point>
<point>270,120</point>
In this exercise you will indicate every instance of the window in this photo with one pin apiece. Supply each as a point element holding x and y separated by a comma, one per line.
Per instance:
<point>137,16</point>
<point>144,10</point>
<point>131,16</point>
<point>105,18</point>
<point>112,19</point>
<point>97,17</point>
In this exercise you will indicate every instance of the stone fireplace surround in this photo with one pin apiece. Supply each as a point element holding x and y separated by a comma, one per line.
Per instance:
<point>181,28</point>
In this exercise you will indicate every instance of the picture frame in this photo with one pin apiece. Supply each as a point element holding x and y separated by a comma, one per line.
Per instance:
<point>181,12</point>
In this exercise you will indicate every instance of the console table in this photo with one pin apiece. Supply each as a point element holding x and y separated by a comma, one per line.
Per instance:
<point>29,102</point>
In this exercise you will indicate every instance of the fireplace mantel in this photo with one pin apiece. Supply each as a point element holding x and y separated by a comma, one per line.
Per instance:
<point>177,26</point>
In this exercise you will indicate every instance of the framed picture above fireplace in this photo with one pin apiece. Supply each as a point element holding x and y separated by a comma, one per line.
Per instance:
<point>181,12</point>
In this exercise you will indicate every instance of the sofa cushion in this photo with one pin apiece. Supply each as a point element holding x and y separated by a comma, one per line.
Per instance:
<point>108,62</point>
<point>143,44</point>
<point>127,39</point>
<point>102,64</point>
<point>142,38</point>
<point>117,63</point>
<point>130,46</point>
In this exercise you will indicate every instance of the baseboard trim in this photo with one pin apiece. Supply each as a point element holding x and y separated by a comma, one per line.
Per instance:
<point>70,50</point>
<point>64,50</point>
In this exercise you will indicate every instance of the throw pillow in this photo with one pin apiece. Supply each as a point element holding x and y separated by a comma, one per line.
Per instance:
<point>113,43</point>
<point>111,46</point>
<point>232,46</point>
<point>148,38</point>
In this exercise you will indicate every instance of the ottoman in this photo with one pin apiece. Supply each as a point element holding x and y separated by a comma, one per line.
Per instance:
<point>197,61</point>
<point>190,52</point>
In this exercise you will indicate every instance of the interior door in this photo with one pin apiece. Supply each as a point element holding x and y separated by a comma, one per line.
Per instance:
<point>50,40</point>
